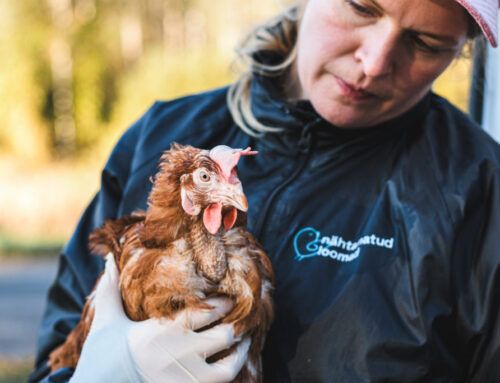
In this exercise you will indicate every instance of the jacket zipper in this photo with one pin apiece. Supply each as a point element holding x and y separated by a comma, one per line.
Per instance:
<point>305,144</point>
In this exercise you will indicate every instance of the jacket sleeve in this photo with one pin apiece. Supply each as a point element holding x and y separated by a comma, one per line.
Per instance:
<point>78,269</point>
<point>477,277</point>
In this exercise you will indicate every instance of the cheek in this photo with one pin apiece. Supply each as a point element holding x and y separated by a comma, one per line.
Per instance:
<point>419,76</point>
<point>322,44</point>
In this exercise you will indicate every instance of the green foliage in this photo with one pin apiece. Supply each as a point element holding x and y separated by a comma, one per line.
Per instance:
<point>95,80</point>
<point>75,73</point>
<point>22,53</point>
<point>12,246</point>
<point>15,371</point>
<point>164,78</point>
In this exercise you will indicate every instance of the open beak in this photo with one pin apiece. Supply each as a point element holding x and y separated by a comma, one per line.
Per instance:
<point>227,201</point>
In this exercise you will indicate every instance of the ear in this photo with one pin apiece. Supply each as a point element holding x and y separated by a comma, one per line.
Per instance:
<point>188,205</point>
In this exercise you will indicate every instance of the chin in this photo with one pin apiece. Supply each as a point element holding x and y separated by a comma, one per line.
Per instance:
<point>343,116</point>
<point>356,114</point>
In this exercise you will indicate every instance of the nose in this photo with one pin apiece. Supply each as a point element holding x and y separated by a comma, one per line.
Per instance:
<point>377,51</point>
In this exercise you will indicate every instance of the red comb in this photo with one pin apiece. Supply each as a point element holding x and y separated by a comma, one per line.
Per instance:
<point>227,158</point>
<point>248,151</point>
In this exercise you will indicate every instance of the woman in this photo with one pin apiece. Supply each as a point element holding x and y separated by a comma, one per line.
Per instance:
<point>377,201</point>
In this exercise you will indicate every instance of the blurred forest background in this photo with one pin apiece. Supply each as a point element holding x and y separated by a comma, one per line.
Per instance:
<point>75,74</point>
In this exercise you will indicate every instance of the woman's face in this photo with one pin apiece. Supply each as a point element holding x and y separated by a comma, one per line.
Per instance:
<point>362,62</point>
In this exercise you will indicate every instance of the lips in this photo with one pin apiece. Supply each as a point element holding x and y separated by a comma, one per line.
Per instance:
<point>352,91</point>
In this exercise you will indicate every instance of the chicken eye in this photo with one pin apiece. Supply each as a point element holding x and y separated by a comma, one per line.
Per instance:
<point>204,176</point>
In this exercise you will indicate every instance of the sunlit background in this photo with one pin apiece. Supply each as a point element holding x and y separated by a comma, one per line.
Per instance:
<point>74,74</point>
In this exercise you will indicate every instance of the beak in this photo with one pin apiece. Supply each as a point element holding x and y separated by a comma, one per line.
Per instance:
<point>240,202</point>
<point>233,195</point>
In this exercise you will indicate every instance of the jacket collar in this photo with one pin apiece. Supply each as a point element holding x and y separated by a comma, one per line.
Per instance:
<point>300,119</point>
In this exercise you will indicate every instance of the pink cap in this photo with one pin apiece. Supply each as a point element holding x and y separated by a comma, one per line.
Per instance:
<point>485,12</point>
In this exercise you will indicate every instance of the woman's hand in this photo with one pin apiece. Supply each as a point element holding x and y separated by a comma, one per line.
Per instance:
<point>120,350</point>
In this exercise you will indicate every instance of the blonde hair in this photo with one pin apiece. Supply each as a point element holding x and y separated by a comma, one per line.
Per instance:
<point>277,35</point>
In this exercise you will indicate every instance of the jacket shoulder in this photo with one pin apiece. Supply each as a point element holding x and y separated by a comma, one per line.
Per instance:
<point>462,156</point>
<point>460,141</point>
<point>187,120</point>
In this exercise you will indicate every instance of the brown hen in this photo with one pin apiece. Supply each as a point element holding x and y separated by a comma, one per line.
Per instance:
<point>191,243</point>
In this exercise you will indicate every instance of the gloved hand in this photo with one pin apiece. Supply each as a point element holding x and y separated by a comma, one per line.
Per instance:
<point>120,350</point>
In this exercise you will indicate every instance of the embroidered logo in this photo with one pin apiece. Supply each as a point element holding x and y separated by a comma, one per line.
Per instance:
<point>309,242</point>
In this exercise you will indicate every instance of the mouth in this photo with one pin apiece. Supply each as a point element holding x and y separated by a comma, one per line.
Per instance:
<point>352,91</point>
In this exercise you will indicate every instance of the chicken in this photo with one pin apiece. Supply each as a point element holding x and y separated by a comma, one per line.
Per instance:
<point>191,243</point>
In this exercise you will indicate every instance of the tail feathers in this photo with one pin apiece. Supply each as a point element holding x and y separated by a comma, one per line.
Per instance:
<point>106,239</point>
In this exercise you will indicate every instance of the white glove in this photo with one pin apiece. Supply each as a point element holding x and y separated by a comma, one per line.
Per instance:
<point>120,350</point>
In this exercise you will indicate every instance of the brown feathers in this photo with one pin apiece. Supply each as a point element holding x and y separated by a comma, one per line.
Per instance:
<point>191,243</point>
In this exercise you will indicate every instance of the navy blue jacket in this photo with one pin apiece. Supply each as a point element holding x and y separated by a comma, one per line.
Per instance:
<point>384,240</point>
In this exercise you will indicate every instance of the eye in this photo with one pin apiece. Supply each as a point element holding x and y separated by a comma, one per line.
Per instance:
<point>359,9</point>
<point>421,45</point>
<point>204,176</point>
